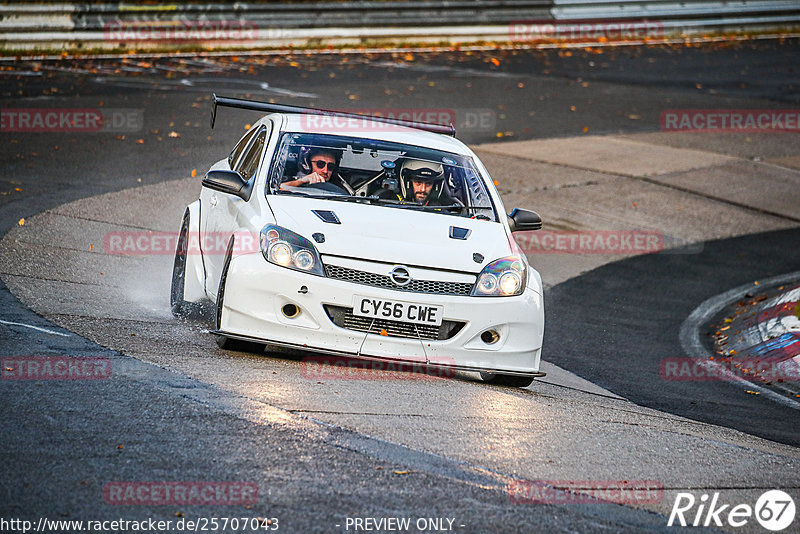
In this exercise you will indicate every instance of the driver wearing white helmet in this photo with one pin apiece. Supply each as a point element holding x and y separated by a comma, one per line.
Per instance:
<point>423,183</point>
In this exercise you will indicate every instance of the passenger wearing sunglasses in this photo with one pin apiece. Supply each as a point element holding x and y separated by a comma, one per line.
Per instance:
<point>323,165</point>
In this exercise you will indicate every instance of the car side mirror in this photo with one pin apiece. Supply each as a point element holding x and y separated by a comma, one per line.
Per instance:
<point>524,220</point>
<point>230,182</point>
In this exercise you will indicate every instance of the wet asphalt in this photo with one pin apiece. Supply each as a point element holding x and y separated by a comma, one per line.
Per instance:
<point>63,441</point>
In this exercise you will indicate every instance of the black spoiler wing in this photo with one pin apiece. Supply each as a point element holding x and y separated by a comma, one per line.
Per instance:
<point>266,107</point>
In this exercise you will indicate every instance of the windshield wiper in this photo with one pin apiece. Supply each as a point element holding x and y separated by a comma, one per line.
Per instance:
<point>414,205</point>
<point>360,200</point>
<point>449,207</point>
<point>304,195</point>
<point>372,199</point>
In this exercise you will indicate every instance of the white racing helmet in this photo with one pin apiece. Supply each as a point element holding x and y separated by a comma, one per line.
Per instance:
<point>421,171</point>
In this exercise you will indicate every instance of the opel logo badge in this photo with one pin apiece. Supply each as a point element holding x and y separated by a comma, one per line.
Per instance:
<point>400,276</point>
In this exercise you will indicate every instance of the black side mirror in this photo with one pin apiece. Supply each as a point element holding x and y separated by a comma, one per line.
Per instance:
<point>524,220</point>
<point>230,182</point>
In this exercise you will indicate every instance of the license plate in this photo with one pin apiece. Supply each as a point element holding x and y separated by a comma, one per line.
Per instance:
<point>394,310</point>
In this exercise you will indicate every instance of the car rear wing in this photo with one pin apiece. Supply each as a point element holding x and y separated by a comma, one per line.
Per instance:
<point>266,107</point>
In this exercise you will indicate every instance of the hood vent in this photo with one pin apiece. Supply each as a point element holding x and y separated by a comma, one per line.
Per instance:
<point>327,216</point>
<point>459,233</point>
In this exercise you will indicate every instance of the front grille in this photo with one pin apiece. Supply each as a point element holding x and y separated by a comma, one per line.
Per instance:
<point>344,318</point>
<point>383,281</point>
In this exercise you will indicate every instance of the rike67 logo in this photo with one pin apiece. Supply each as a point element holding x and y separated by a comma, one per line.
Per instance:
<point>774,510</point>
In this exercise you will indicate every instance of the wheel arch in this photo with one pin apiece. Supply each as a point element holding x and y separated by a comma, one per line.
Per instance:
<point>194,288</point>
<point>222,279</point>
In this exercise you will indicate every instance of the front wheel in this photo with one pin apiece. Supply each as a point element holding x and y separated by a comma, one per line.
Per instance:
<point>512,381</point>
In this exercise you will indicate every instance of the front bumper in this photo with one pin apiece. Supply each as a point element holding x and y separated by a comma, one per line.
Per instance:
<point>256,292</point>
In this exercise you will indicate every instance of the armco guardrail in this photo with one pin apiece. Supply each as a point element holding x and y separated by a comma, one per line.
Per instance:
<point>299,15</point>
<point>687,17</point>
<point>661,9</point>
<point>27,26</point>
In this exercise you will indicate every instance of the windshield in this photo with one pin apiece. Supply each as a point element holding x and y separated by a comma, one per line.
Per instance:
<point>379,172</point>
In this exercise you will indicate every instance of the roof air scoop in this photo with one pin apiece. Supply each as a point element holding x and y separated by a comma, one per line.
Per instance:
<point>327,216</point>
<point>459,233</point>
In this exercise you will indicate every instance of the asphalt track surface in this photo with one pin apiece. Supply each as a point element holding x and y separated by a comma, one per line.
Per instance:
<point>632,310</point>
<point>64,440</point>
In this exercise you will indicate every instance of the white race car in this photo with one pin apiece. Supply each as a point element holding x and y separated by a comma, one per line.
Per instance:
<point>362,237</point>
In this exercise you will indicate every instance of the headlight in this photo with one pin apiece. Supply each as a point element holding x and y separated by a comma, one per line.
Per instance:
<point>288,249</point>
<point>504,277</point>
<point>279,253</point>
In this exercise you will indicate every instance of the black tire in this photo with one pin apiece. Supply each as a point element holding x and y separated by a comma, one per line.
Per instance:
<point>511,381</point>
<point>180,308</point>
<point>225,342</point>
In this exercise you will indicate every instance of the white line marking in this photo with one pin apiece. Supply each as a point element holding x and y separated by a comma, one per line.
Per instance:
<point>45,330</point>
<point>267,87</point>
<point>442,68</point>
<point>693,346</point>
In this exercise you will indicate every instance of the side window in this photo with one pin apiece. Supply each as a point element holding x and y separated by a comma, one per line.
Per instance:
<point>234,155</point>
<point>248,165</point>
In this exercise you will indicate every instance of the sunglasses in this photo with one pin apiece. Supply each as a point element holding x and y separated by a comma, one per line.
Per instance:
<point>321,163</point>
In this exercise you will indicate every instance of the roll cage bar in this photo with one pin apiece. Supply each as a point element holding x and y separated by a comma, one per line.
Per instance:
<point>266,107</point>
